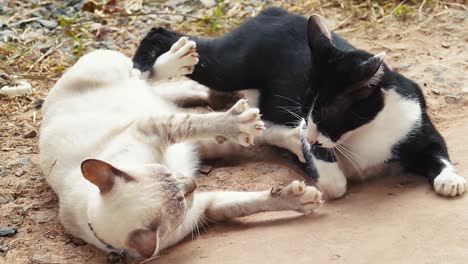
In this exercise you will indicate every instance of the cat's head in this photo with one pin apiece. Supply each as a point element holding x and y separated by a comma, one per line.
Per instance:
<point>137,208</point>
<point>345,91</point>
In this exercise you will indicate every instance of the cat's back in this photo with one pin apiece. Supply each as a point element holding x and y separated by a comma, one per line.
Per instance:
<point>274,26</point>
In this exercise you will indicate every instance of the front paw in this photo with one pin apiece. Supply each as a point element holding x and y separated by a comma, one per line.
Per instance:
<point>299,197</point>
<point>448,183</point>
<point>179,60</point>
<point>295,144</point>
<point>247,123</point>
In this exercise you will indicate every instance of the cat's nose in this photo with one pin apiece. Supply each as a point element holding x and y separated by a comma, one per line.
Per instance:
<point>312,137</point>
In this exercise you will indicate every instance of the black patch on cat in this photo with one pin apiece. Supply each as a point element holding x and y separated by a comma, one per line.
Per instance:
<point>292,63</point>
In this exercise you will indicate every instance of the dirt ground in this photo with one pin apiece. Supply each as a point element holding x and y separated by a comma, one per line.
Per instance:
<point>394,219</point>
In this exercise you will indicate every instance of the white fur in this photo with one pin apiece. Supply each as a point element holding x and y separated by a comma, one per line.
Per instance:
<point>101,109</point>
<point>372,143</point>
<point>448,182</point>
<point>332,181</point>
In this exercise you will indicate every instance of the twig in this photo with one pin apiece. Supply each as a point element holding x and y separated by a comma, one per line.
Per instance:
<point>454,4</point>
<point>148,260</point>
<point>51,167</point>
<point>145,14</point>
<point>14,24</point>
<point>420,10</point>
<point>342,23</point>
<point>45,55</point>
<point>29,76</point>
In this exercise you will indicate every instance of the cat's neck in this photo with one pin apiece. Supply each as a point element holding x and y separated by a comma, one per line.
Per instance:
<point>373,143</point>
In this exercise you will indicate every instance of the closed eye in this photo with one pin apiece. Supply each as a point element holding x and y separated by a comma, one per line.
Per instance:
<point>189,193</point>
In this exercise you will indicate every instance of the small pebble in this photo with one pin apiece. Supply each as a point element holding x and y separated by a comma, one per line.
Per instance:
<point>5,173</point>
<point>3,248</point>
<point>445,44</point>
<point>205,169</point>
<point>208,3</point>
<point>19,172</point>
<point>24,161</point>
<point>7,231</point>
<point>43,48</point>
<point>30,134</point>
<point>6,198</point>
<point>434,91</point>
<point>114,258</point>
<point>50,24</point>
<point>452,98</point>
<point>74,2</point>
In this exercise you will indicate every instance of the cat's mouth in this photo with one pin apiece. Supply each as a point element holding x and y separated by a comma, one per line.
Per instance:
<point>314,138</point>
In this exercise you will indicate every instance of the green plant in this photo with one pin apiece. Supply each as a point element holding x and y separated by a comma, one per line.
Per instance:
<point>401,10</point>
<point>72,29</point>
<point>216,15</point>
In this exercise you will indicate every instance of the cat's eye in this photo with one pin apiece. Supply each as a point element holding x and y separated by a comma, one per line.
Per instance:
<point>188,193</point>
<point>323,112</point>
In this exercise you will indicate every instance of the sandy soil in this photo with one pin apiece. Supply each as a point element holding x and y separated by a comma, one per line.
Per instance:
<point>387,220</point>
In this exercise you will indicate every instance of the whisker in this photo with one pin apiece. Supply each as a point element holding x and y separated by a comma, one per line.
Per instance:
<point>203,224</point>
<point>296,102</point>
<point>312,107</point>
<point>186,133</point>
<point>198,230</point>
<point>207,219</point>
<point>297,116</point>
<point>337,161</point>
<point>359,159</point>
<point>348,157</point>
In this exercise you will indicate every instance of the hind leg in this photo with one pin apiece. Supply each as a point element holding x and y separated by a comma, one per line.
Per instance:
<point>297,196</point>
<point>98,68</point>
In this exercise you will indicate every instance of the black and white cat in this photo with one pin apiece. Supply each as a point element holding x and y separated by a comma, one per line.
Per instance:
<point>353,109</point>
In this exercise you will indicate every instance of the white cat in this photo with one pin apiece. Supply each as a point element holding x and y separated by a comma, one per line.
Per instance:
<point>122,156</point>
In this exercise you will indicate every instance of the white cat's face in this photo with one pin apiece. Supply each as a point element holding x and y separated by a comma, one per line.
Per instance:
<point>140,208</point>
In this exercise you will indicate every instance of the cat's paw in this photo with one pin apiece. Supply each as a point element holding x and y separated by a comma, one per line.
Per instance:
<point>179,60</point>
<point>331,181</point>
<point>449,183</point>
<point>247,123</point>
<point>299,197</point>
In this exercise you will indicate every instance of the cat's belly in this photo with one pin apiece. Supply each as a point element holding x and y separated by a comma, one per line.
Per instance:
<point>182,158</point>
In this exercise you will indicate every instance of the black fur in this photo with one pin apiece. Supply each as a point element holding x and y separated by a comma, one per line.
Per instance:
<point>294,66</point>
<point>268,52</point>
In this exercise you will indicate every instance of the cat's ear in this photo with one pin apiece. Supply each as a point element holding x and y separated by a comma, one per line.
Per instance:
<point>319,35</point>
<point>143,241</point>
<point>102,174</point>
<point>371,70</point>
